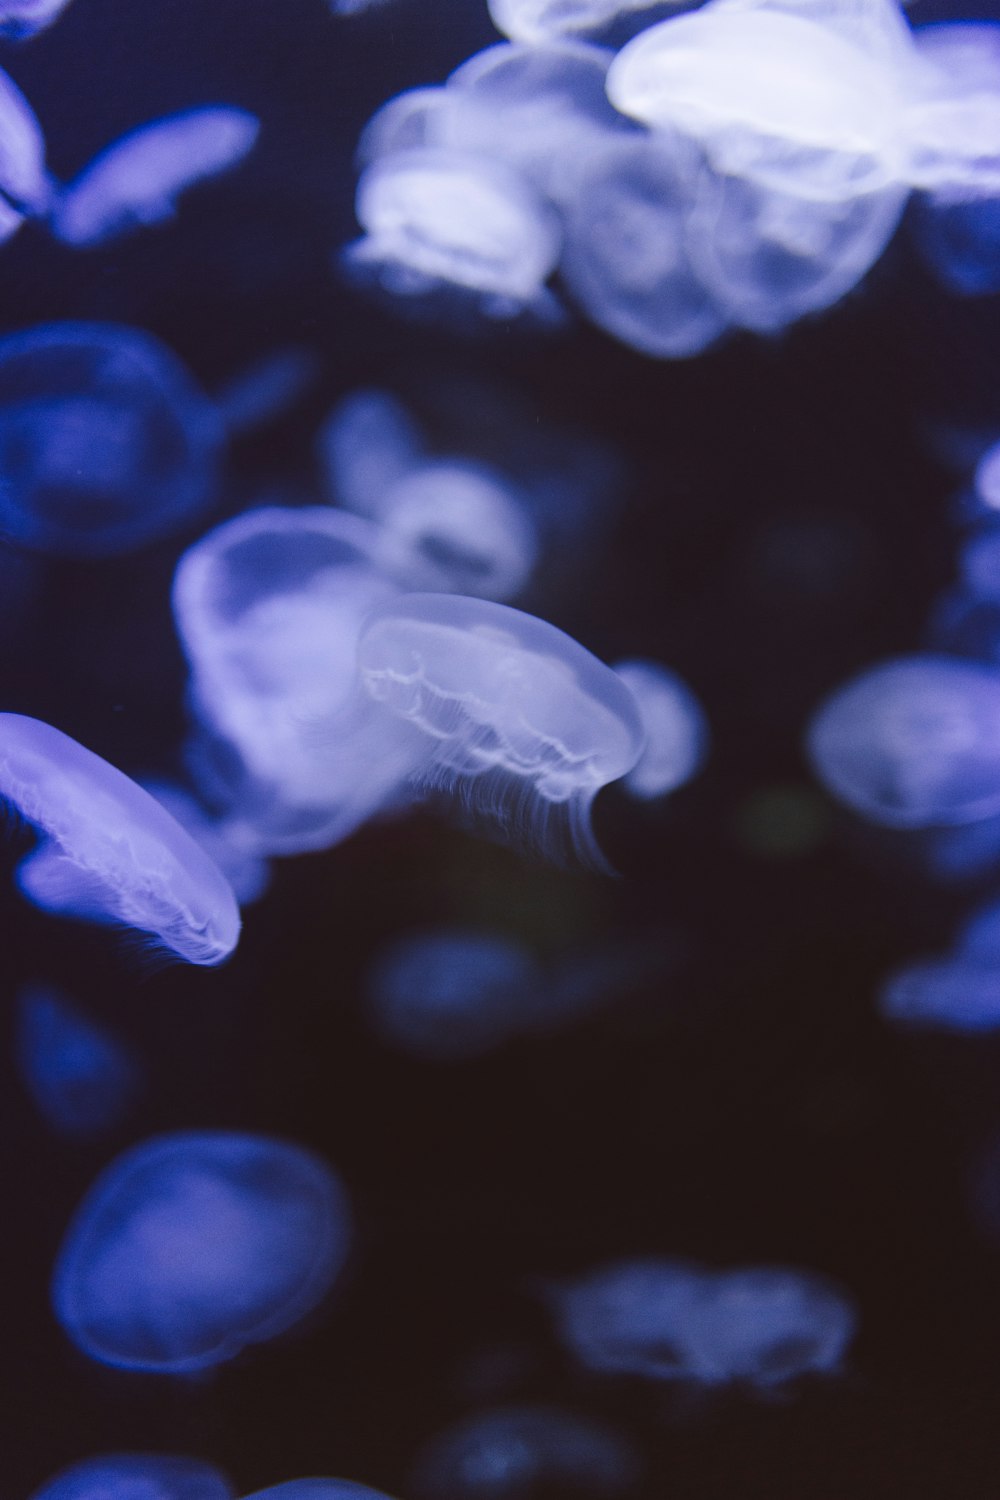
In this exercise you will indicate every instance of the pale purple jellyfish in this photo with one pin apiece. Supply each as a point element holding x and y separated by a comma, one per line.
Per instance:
<point>675,725</point>
<point>190,1247</point>
<point>367,444</point>
<point>137,1476</point>
<point>22,19</point>
<point>82,1077</point>
<point>25,186</point>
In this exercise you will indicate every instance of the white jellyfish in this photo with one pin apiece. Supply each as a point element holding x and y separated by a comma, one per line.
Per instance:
<point>21,19</point>
<point>108,846</point>
<point>137,180</point>
<point>137,1476</point>
<point>676,730</point>
<point>368,442</point>
<point>541,21</point>
<point>951,121</point>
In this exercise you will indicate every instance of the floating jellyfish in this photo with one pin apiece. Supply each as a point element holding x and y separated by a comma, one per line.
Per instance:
<point>913,742</point>
<point>108,846</point>
<point>517,1452</point>
<point>137,1476</point>
<point>988,477</point>
<point>81,1077</point>
<point>318,1489</point>
<point>106,444</point>
<point>520,726</point>
<point>541,21</point>
<point>21,19</point>
<point>952,119</point>
<point>670,1321</point>
<point>136,181</point>
<point>227,842</point>
<point>676,730</point>
<point>948,994</point>
<point>24,180</point>
<point>192,1246</point>
<point>368,443</point>
<point>403,123</point>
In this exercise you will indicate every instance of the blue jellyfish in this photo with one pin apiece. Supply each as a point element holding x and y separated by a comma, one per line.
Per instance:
<point>318,1489</point>
<point>192,1246</point>
<point>913,742</point>
<point>21,19</point>
<point>109,848</point>
<point>988,472</point>
<point>81,1076</point>
<point>25,185</point>
<point>517,1452</point>
<point>952,993</point>
<point>137,1476</point>
<point>520,726</point>
<point>979,936</point>
<point>137,180</point>
<point>979,564</point>
<point>959,239</point>
<point>266,389</point>
<point>676,730</point>
<point>105,442</point>
<point>368,443</point>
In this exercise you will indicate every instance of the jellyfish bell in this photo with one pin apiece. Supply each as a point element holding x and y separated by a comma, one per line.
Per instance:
<point>192,1246</point>
<point>951,118</point>
<point>521,726</point>
<point>630,1317</point>
<point>405,122</point>
<point>24,180</point>
<point>676,730</point>
<point>82,1078</point>
<point>137,1476</point>
<point>22,19</point>
<point>367,444</point>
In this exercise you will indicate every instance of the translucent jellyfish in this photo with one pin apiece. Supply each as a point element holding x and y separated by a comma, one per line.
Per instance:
<point>227,842</point>
<point>82,1078</point>
<point>520,726</point>
<point>318,1489</point>
<point>368,443</point>
<point>136,181</point>
<point>518,1452</point>
<point>952,118</point>
<point>988,477</point>
<point>625,260</point>
<point>541,21</point>
<point>670,1321</point>
<point>952,993</point>
<point>137,1476</point>
<point>21,19</point>
<point>190,1247</point>
<point>435,217</point>
<point>407,121</point>
<point>106,444</point>
<point>676,730</point>
<point>110,846</point>
<point>913,742</point>
<point>24,180</point>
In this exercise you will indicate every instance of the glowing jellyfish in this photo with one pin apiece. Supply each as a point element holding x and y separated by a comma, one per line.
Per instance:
<point>266,390</point>
<point>318,1489</point>
<point>949,994</point>
<point>192,1246</point>
<point>136,181</point>
<point>520,725</point>
<point>988,477</point>
<point>979,564</point>
<point>541,21</point>
<point>368,443</point>
<point>676,730</point>
<point>137,1476</point>
<point>227,842</point>
<point>81,1077</point>
<point>517,1452</point>
<point>407,121</point>
<point>106,444</point>
<point>110,846</point>
<point>952,117</point>
<point>913,742</point>
<point>24,180</point>
<point>625,260</point>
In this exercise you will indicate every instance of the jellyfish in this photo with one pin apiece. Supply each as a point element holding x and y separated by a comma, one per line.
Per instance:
<point>979,564</point>
<point>988,477</point>
<point>189,1247</point>
<point>106,444</point>
<point>22,19</point>
<point>266,390</point>
<point>676,730</point>
<point>541,21</point>
<point>520,725</point>
<point>913,742</point>
<point>517,1452</point>
<point>25,185</point>
<point>137,180</point>
<point>951,120</point>
<point>368,443</point>
<point>109,846</point>
<point>227,842</point>
<point>405,122</point>
<point>137,1476</point>
<point>318,1489</point>
<point>978,939</point>
<point>952,993</point>
<point>83,1079</point>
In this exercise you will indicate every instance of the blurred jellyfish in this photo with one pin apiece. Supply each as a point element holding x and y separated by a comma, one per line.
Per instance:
<point>227,842</point>
<point>136,181</point>
<point>959,239</point>
<point>192,1246</point>
<point>318,1489</point>
<point>137,1476</point>
<point>520,726</point>
<point>978,940</point>
<point>952,117</point>
<point>625,260</point>
<point>952,993</point>
<point>82,1078</point>
<point>109,847</point>
<point>541,21</point>
<point>106,444</point>
<point>676,730</point>
<point>268,389</point>
<point>407,121</point>
<point>988,477</point>
<point>24,181</point>
<point>913,742</point>
<point>369,442</point>
<point>518,1452</point>
<point>979,564</point>
<point>668,1320</point>
<point>21,19</point>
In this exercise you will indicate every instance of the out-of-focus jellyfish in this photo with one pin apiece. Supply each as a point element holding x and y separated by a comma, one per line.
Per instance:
<point>451,994</point>
<point>979,937</point>
<point>137,1476</point>
<point>404,122</point>
<point>106,443</point>
<point>21,19</point>
<point>318,1489</point>
<point>136,181</point>
<point>520,726</point>
<point>625,260</point>
<point>541,21</point>
<point>368,443</point>
<point>952,993</point>
<point>226,841</point>
<point>979,564</point>
<point>671,1321</point>
<point>952,119</point>
<point>435,217</point>
<point>109,846</point>
<point>192,1246</point>
<point>81,1076</point>
<point>675,725</point>
<point>24,180</point>
<point>518,1452</point>
<point>959,239</point>
<point>988,477</point>
<point>266,390</point>
<point>913,742</point>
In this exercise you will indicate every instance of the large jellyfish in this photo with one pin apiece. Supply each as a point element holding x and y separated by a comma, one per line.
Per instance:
<point>137,180</point>
<point>137,1476</point>
<point>109,847</point>
<point>913,742</point>
<point>81,1076</point>
<point>675,725</point>
<point>515,722</point>
<point>192,1246</point>
<point>106,444</point>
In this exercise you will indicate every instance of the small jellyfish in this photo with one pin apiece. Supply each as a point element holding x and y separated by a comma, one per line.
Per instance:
<point>109,846</point>
<point>190,1247</point>
<point>106,444</point>
<point>520,725</point>
<point>675,725</point>
<point>318,1489</point>
<point>368,443</point>
<point>137,180</point>
<point>913,742</point>
<point>137,1476</point>
<point>953,993</point>
<point>21,19</point>
<point>631,1318</point>
<point>988,477</point>
<point>83,1079</point>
